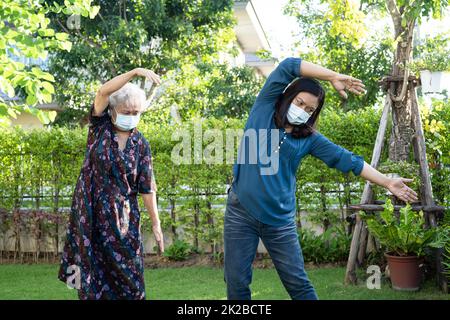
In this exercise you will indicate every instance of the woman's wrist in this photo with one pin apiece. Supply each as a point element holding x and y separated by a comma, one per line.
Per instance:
<point>332,76</point>
<point>374,176</point>
<point>138,72</point>
<point>387,182</point>
<point>135,72</point>
<point>156,221</point>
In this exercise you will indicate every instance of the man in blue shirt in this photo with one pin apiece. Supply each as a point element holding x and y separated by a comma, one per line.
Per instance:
<point>279,133</point>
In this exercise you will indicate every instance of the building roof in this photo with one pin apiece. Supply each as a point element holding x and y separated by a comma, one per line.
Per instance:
<point>251,36</point>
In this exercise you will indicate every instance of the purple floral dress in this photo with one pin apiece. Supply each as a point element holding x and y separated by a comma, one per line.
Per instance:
<point>103,252</point>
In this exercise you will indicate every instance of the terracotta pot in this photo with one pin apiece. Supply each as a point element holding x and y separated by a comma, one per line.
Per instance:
<point>405,272</point>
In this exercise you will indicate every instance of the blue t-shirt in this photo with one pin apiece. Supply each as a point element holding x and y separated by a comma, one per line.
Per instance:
<point>270,198</point>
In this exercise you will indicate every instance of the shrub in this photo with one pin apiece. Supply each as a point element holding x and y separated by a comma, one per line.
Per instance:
<point>331,246</point>
<point>178,251</point>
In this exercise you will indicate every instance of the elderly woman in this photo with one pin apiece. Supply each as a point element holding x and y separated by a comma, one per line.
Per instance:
<point>103,253</point>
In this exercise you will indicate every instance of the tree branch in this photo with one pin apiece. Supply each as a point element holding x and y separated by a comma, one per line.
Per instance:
<point>62,26</point>
<point>395,14</point>
<point>92,44</point>
<point>410,32</point>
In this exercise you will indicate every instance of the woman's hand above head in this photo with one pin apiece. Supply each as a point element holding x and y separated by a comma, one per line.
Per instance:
<point>340,82</point>
<point>148,74</point>
<point>343,83</point>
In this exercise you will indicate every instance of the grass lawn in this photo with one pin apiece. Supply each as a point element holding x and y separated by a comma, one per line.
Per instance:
<point>40,282</point>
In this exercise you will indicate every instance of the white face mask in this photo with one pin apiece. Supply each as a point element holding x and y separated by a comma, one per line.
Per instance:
<point>126,122</point>
<point>297,115</point>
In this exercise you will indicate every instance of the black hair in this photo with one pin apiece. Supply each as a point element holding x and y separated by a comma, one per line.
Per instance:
<point>284,101</point>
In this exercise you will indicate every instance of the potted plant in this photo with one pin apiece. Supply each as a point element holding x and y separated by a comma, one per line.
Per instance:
<point>433,64</point>
<point>405,240</point>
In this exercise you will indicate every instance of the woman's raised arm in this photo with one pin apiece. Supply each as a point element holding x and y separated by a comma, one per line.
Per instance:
<point>279,78</point>
<point>340,82</point>
<point>109,87</point>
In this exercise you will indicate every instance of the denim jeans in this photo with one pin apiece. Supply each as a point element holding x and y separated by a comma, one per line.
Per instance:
<point>241,237</point>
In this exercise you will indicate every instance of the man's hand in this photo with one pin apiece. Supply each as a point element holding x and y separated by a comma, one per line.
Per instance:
<point>398,188</point>
<point>158,236</point>
<point>341,83</point>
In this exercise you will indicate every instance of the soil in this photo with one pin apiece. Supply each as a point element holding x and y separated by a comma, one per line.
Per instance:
<point>154,261</point>
<point>262,261</point>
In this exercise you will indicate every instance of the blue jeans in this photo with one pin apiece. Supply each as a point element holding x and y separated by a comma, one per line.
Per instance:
<point>241,237</point>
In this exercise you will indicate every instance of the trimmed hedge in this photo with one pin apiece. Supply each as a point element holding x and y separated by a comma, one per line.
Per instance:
<point>39,169</point>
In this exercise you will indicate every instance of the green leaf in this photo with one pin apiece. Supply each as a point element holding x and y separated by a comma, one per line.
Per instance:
<point>48,87</point>
<point>3,110</point>
<point>67,45</point>
<point>52,115</point>
<point>62,36</point>
<point>47,76</point>
<point>12,113</point>
<point>94,11</point>
<point>57,7</point>
<point>5,86</point>
<point>42,117</point>
<point>31,100</point>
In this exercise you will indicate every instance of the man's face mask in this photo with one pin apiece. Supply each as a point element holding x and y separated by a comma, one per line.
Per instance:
<point>126,122</point>
<point>297,115</point>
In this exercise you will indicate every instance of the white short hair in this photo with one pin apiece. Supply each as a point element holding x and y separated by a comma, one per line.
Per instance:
<point>128,94</point>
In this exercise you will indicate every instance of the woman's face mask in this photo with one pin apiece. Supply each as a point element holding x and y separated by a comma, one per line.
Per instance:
<point>297,115</point>
<point>126,122</point>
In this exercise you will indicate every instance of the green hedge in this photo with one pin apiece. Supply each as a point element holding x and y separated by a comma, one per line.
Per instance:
<point>39,169</point>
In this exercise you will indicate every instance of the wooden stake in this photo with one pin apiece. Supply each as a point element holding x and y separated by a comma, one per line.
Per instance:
<point>419,142</point>
<point>350,275</point>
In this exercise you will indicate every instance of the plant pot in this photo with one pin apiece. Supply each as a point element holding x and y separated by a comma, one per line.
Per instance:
<point>435,82</point>
<point>405,272</point>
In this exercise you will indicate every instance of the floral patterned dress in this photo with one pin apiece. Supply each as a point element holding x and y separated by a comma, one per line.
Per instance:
<point>103,252</point>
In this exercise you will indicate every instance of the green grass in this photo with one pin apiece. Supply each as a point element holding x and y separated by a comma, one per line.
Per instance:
<point>40,282</point>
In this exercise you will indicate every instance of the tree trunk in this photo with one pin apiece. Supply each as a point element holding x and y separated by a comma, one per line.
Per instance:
<point>173,216</point>
<point>210,220</point>
<point>56,213</point>
<point>323,200</point>
<point>196,224</point>
<point>401,132</point>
